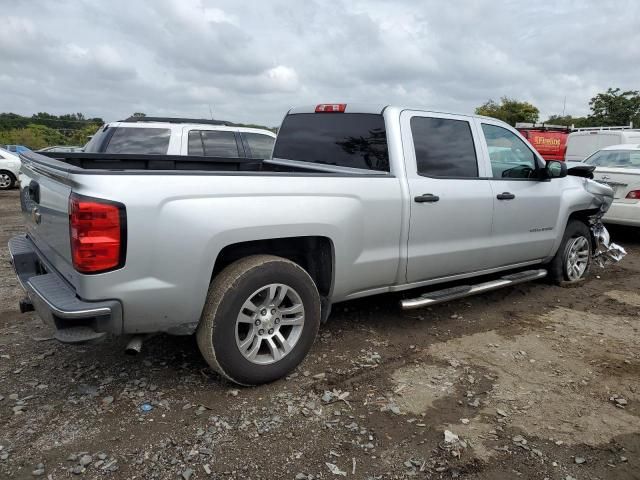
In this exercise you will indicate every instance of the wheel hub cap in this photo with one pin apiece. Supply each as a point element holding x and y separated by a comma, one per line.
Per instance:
<point>269,324</point>
<point>577,258</point>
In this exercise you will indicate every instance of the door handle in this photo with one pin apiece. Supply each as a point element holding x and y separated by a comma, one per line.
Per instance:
<point>427,197</point>
<point>506,196</point>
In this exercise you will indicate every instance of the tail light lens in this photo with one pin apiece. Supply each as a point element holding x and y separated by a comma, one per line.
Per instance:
<point>98,234</point>
<point>635,194</point>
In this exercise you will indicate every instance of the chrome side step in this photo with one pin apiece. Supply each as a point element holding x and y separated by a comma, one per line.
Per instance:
<point>440,296</point>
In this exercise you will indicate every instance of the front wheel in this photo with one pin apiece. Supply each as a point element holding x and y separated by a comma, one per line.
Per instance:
<point>260,320</point>
<point>7,180</point>
<point>572,261</point>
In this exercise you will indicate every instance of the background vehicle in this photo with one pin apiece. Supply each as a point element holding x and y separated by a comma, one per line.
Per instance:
<point>16,148</point>
<point>181,136</point>
<point>549,140</point>
<point>61,149</point>
<point>582,142</point>
<point>619,167</point>
<point>9,169</point>
<point>357,200</point>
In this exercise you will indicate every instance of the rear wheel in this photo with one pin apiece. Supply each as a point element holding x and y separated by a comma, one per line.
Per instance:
<point>572,261</point>
<point>260,320</point>
<point>7,180</point>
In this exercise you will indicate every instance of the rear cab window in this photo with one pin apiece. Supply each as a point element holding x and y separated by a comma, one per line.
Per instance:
<point>352,140</point>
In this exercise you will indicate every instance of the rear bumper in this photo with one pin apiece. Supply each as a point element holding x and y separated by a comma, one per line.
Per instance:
<point>623,212</point>
<point>75,320</point>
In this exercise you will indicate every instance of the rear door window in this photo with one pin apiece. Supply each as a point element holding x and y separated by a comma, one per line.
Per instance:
<point>444,147</point>
<point>354,140</point>
<point>259,144</point>
<point>213,143</point>
<point>146,141</point>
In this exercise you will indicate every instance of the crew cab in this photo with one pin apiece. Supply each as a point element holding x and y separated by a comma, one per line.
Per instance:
<point>356,200</point>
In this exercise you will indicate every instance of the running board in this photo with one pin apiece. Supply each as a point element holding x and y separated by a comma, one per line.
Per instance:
<point>440,296</point>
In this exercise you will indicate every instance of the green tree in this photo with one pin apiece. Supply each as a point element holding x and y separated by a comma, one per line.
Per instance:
<point>569,121</point>
<point>615,107</point>
<point>509,110</point>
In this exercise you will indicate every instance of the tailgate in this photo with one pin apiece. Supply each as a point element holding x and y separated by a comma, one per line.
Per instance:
<point>44,199</point>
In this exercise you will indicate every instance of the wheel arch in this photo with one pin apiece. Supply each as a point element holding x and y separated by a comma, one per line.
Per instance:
<point>315,254</point>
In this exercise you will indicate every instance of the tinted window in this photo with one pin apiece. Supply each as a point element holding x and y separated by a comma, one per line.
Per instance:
<point>355,140</point>
<point>213,143</point>
<point>147,141</point>
<point>444,147</point>
<point>615,158</point>
<point>510,156</point>
<point>95,142</point>
<point>260,145</point>
<point>195,144</point>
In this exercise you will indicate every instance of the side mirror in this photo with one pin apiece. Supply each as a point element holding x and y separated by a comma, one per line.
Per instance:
<point>555,169</point>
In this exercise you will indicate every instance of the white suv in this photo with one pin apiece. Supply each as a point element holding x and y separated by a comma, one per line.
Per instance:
<point>181,136</point>
<point>9,169</point>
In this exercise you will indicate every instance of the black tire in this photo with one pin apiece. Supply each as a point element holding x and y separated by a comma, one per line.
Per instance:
<point>228,292</point>
<point>12,180</point>
<point>558,268</point>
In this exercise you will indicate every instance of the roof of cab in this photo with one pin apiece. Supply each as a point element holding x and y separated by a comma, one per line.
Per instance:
<point>378,108</point>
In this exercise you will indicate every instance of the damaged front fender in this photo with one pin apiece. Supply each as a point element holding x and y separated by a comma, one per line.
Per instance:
<point>605,252</point>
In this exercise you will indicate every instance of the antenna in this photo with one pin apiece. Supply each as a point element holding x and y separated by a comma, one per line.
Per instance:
<point>564,105</point>
<point>210,112</point>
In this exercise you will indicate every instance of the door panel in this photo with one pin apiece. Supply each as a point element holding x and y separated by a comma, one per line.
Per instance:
<point>450,220</point>
<point>526,209</point>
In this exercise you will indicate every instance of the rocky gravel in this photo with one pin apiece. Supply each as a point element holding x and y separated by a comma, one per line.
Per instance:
<point>533,381</point>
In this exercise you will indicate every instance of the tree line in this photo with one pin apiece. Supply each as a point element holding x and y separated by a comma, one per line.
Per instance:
<point>43,129</point>
<point>614,107</point>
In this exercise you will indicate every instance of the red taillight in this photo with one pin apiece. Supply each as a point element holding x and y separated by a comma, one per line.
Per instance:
<point>97,230</point>
<point>331,107</point>
<point>635,194</point>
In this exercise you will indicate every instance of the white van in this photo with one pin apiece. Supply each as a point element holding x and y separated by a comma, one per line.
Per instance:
<point>582,142</point>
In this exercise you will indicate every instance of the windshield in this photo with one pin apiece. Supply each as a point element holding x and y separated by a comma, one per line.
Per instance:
<point>615,158</point>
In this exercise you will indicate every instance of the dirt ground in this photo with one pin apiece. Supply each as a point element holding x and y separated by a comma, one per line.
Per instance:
<point>533,381</point>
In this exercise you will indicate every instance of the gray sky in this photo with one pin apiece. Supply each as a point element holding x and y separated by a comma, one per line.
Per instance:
<point>252,60</point>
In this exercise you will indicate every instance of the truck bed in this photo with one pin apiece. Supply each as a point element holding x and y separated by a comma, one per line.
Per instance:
<point>114,162</point>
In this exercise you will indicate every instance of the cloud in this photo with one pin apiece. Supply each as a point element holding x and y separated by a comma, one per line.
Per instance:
<point>251,61</point>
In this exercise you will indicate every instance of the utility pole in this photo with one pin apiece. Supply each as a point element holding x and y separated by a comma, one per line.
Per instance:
<point>210,112</point>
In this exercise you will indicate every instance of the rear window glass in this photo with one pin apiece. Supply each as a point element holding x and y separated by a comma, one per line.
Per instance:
<point>444,147</point>
<point>355,140</point>
<point>146,141</point>
<point>213,143</point>
<point>615,158</point>
<point>260,145</point>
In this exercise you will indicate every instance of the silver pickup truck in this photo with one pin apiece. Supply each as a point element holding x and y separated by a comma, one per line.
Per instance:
<point>250,255</point>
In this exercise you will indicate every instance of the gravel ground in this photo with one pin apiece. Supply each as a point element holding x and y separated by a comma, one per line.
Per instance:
<point>533,381</point>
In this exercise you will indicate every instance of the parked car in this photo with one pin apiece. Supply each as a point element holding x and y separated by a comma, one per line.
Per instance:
<point>582,142</point>
<point>61,149</point>
<point>181,136</point>
<point>357,200</point>
<point>619,167</point>
<point>549,140</point>
<point>9,169</point>
<point>17,149</point>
